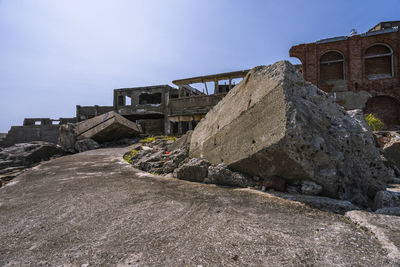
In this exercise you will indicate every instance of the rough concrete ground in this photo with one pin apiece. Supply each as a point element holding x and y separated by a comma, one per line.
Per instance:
<point>94,209</point>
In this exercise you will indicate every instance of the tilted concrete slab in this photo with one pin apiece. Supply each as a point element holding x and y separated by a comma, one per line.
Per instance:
<point>107,127</point>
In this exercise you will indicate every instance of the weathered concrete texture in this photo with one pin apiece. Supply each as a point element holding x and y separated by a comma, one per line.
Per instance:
<point>275,124</point>
<point>94,209</point>
<point>107,127</point>
<point>385,228</point>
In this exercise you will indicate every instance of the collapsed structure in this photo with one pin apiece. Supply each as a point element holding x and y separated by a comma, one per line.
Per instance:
<point>360,72</point>
<point>276,125</point>
<point>157,110</point>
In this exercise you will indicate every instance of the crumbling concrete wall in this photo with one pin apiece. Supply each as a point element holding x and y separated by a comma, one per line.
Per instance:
<point>148,104</point>
<point>25,134</point>
<point>152,127</point>
<point>194,104</point>
<point>88,112</point>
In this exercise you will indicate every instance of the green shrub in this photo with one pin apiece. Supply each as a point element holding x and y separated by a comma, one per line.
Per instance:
<point>148,140</point>
<point>152,139</point>
<point>170,138</point>
<point>373,122</point>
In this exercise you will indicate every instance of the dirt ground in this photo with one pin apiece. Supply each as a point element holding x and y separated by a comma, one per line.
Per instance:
<point>94,209</point>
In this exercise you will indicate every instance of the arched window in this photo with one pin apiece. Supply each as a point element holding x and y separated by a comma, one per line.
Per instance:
<point>331,67</point>
<point>379,62</point>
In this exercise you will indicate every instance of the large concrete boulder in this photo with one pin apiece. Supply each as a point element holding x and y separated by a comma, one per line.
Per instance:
<point>276,124</point>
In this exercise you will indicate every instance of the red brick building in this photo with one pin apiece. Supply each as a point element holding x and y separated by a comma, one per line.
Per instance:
<point>361,71</point>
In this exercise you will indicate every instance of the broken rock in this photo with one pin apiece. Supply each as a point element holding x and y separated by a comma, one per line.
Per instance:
<point>310,188</point>
<point>195,170</point>
<point>391,149</point>
<point>221,175</point>
<point>27,154</point>
<point>276,124</point>
<point>275,182</point>
<point>386,199</point>
<point>86,144</point>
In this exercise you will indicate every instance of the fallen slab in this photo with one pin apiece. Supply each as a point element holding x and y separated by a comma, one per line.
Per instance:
<point>276,124</point>
<point>106,127</point>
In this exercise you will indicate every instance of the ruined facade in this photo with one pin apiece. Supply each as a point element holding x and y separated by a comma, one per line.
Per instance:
<point>163,109</point>
<point>147,106</point>
<point>185,112</point>
<point>88,112</point>
<point>35,129</point>
<point>359,71</point>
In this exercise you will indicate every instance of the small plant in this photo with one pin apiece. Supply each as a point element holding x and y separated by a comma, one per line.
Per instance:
<point>128,156</point>
<point>170,138</point>
<point>152,139</point>
<point>148,140</point>
<point>373,122</point>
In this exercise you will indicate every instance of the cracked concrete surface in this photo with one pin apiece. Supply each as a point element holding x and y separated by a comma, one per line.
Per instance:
<point>94,209</point>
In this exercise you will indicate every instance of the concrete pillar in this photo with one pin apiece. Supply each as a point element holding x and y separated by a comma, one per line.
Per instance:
<point>190,125</point>
<point>180,91</point>
<point>78,113</point>
<point>115,100</point>
<point>180,128</point>
<point>216,88</point>
<point>167,129</point>
<point>96,110</point>
<point>230,84</point>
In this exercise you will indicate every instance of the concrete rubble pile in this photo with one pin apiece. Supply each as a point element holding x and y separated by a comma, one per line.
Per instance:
<point>275,124</point>
<point>171,159</point>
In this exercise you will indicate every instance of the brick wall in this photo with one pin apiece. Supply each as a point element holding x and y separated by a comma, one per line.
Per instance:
<point>358,71</point>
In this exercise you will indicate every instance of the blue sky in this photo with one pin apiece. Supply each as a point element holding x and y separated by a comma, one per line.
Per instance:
<point>55,54</point>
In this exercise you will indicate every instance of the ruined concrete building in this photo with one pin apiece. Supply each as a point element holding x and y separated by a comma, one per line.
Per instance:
<point>360,71</point>
<point>162,109</point>
<point>35,129</point>
<point>157,110</point>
